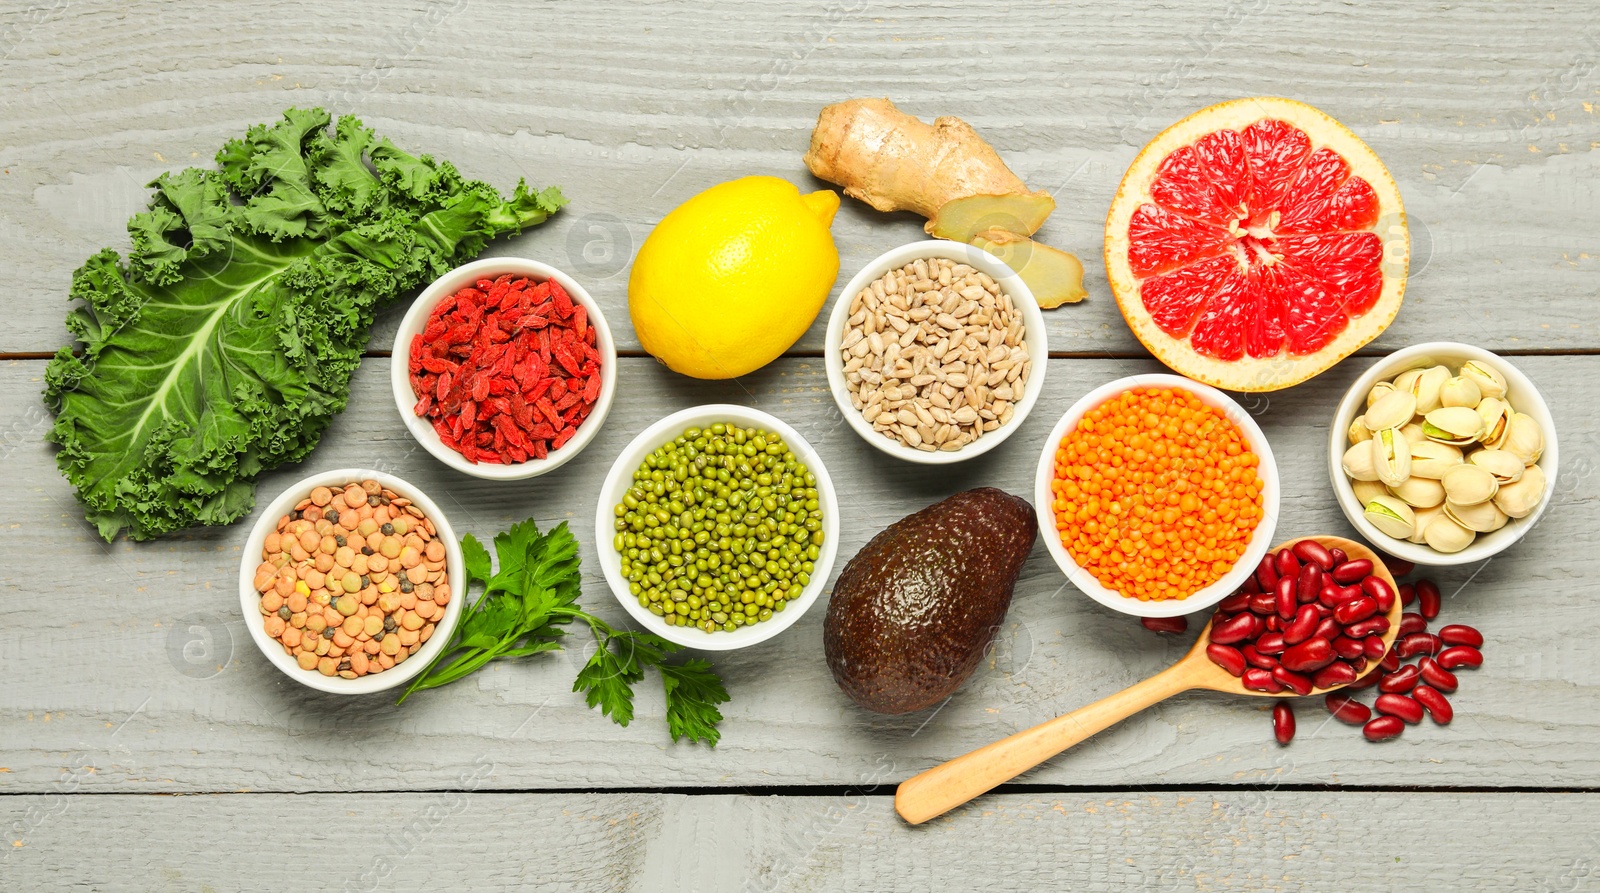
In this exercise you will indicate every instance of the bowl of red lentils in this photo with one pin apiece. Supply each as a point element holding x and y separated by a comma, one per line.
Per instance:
<point>1157,495</point>
<point>351,581</point>
<point>504,368</point>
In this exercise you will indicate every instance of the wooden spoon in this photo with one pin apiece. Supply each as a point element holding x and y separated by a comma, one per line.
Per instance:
<point>946,786</point>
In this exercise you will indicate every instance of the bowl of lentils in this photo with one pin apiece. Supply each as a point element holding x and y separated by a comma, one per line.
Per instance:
<point>717,527</point>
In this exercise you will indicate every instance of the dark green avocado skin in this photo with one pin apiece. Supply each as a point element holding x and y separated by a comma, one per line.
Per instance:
<point>914,610</point>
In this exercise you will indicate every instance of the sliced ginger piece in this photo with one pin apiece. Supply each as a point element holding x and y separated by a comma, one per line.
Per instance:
<point>961,219</point>
<point>1054,276</point>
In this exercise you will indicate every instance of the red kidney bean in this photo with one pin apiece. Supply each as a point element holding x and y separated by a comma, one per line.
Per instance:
<point>1288,601</point>
<point>1256,659</point>
<point>1252,587</point>
<point>1418,643</point>
<point>1165,624</point>
<point>1315,552</point>
<point>1428,600</point>
<point>1375,625</point>
<point>1274,624</point>
<point>1347,648</point>
<point>1295,682</point>
<point>1286,564</point>
<point>1351,571</point>
<point>1347,709</point>
<point>1266,575</point>
<point>1271,643</point>
<point>1328,628</point>
<point>1264,604</point>
<point>1355,610</point>
<point>1408,594</point>
<point>1438,706</point>
<point>1257,679</point>
<point>1359,664</point>
<point>1235,603</point>
<point>1330,596</point>
<point>1309,656</point>
<point>1283,722</point>
<point>1399,705</point>
<point>1437,676</point>
<point>1230,659</point>
<point>1339,556</point>
<point>1398,567</point>
<point>1309,584</point>
<point>1372,647</point>
<point>1457,656</point>
<point>1346,593</point>
<point>1390,661</point>
<point>1400,681</point>
<point>1461,634</point>
<point>1383,728</point>
<point>1334,674</point>
<point>1237,628</point>
<point>1366,681</point>
<point>1380,591</point>
<point>1412,623</point>
<point>1304,624</point>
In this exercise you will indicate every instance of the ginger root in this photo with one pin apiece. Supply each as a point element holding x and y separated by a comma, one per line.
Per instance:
<point>945,172</point>
<point>1054,276</point>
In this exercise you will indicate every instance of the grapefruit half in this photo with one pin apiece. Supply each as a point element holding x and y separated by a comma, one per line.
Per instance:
<point>1256,243</point>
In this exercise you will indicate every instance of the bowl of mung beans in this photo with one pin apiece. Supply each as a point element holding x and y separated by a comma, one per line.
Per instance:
<point>717,527</point>
<point>351,581</point>
<point>935,352</point>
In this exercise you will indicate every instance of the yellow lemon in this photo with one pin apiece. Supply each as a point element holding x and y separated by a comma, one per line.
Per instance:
<point>732,277</point>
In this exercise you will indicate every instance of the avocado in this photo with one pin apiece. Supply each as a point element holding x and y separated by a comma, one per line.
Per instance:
<point>914,610</point>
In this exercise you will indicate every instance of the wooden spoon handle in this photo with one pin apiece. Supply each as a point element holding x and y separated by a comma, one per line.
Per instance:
<point>948,785</point>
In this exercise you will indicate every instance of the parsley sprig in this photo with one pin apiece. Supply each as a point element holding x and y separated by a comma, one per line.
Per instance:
<point>523,609</point>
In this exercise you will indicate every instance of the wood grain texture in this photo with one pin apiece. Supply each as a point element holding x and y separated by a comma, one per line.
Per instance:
<point>1484,112</point>
<point>112,652</point>
<point>656,843</point>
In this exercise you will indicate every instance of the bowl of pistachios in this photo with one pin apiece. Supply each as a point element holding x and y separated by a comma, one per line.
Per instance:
<point>1443,454</point>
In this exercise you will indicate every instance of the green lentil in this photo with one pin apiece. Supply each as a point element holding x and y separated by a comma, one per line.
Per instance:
<point>719,528</point>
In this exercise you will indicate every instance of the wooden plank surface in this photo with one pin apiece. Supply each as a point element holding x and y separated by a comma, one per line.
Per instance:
<point>1484,112</point>
<point>114,650</point>
<point>642,843</point>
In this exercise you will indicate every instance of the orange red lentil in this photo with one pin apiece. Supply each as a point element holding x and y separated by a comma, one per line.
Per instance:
<point>1155,493</point>
<point>352,580</point>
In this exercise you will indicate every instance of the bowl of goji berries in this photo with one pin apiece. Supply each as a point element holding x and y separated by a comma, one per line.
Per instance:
<point>504,368</point>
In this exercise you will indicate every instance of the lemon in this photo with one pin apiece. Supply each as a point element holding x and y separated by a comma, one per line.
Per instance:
<point>732,277</point>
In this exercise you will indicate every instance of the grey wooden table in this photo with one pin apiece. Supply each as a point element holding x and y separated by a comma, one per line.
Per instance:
<point>129,680</point>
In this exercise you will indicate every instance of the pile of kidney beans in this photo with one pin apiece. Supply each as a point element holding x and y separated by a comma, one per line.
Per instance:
<point>1312,618</point>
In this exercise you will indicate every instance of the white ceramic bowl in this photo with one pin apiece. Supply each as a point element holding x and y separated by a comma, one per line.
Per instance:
<point>1520,393</point>
<point>1021,297</point>
<point>412,324</point>
<point>250,599</point>
<point>621,477</point>
<point>1260,540</point>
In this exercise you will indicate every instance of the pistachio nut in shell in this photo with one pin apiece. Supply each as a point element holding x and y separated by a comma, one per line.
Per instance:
<point>1366,491</point>
<point>1459,391</point>
<point>1519,499</point>
<point>1357,463</point>
<point>1469,485</point>
<point>1391,456</point>
<point>1431,459</point>
<point>1406,380</point>
<point>1455,425</point>
<point>1424,518</point>
<point>1524,438</point>
<point>1427,388</point>
<point>1359,433</point>
<point>1392,516</point>
<point>1484,517</point>
<point>1506,468</point>
<point>1445,535</point>
<point>1493,413</point>
<point>1378,392</point>
<point>1419,492</point>
<point>1488,379</point>
<point>1392,411</point>
<point>1413,432</point>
